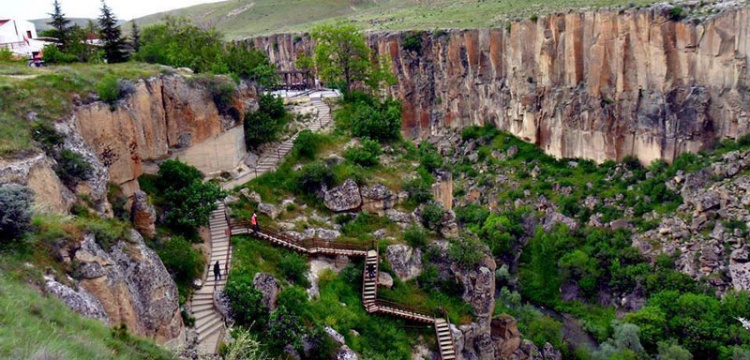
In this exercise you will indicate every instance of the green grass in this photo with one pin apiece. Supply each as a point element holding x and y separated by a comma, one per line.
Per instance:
<point>48,92</point>
<point>32,326</point>
<point>263,17</point>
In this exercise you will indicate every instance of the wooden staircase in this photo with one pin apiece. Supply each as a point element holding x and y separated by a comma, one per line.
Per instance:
<point>370,284</point>
<point>445,339</point>
<point>209,324</point>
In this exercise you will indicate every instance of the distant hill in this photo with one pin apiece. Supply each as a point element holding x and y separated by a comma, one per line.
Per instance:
<point>246,18</point>
<point>42,24</point>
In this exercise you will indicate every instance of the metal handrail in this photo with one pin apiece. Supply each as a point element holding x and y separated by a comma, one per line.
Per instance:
<point>400,306</point>
<point>311,243</point>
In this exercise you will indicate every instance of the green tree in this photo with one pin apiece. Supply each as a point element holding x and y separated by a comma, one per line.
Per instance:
<point>245,301</point>
<point>111,36</point>
<point>179,43</point>
<point>15,211</point>
<point>175,174</point>
<point>366,155</point>
<point>264,125</point>
<point>60,25</point>
<point>135,36</point>
<point>190,207</point>
<point>284,328</point>
<point>341,54</point>
<point>183,262</point>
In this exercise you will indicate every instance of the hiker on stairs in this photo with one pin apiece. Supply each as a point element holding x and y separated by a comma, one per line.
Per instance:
<point>371,270</point>
<point>217,271</point>
<point>254,222</point>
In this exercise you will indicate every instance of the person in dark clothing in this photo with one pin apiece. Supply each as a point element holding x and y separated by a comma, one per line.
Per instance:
<point>217,271</point>
<point>254,222</point>
<point>371,270</point>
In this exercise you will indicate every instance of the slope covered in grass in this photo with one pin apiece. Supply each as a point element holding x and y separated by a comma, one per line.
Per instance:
<point>247,18</point>
<point>33,326</point>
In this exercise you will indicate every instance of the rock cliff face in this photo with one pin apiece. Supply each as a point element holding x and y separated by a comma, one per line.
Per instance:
<point>163,116</point>
<point>130,283</point>
<point>599,85</point>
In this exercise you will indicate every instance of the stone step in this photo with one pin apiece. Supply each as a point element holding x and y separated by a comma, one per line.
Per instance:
<point>199,308</point>
<point>201,302</point>
<point>208,324</point>
<point>210,331</point>
<point>202,317</point>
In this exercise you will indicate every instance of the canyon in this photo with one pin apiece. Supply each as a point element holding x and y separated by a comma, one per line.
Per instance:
<point>600,85</point>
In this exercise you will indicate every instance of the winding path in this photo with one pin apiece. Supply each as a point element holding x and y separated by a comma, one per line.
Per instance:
<point>209,323</point>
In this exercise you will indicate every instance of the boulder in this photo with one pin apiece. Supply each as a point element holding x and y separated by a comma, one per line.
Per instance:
<point>327,234</point>
<point>142,214</point>
<point>505,334</point>
<point>376,199</point>
<point>269,287</point>
<point>385,279</point>
<point>335,335</point>
<point>251,196</point>
<point>706,201</point>
<point>79,301</point>
<point>405,261</point>
<point>346,354</point>
<point>268,209</point>
<point>345,197</point>
<point>553,218</point>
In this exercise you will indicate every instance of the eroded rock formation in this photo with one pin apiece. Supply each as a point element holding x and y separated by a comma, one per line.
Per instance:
<point>598,84</point>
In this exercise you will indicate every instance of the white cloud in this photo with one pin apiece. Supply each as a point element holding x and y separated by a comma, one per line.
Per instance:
<point>123,9</point>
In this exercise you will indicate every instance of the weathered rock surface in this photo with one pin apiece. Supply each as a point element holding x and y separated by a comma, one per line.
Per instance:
<point>132,285</point>
<point>596,84</point>
<point>142,214</point>
<point>164,113</point>
<point>271,210</point>
<point>269,287</point>
<point>37,173</point>
<point>345,197</point>
<point>80,301</point>
<point>376,199</point>
<point>405,261</point>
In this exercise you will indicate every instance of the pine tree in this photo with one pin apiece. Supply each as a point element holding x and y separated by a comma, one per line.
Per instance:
<point>136,37</point>
<point>111,36</point>
<point>60,25</point>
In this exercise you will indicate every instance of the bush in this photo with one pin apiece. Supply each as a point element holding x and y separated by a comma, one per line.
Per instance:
<point>545,330</point>
<point>429,159</point>
<point>108,89</point>
<point>284,328</point>
<point>183,261</point>
<point>15,211</point>
<point>307,144</point>
<point>175,174</point>
<point>245,301</point>
<point>53,55</point>
<point>46,135</point>
<point>365,155</point>
<point>295,269</point>
<point>312,177</point>
<point>107,233</point>
<point>412,42</point>
<point>676,13</point>
<point>72,168</point>
<point>6,55</point>
<point>381,121</point>
<point>264,125</point>
<point>416,237</point>
<point>466,252</point>
<point>222,92</point>
<point>432,215</point>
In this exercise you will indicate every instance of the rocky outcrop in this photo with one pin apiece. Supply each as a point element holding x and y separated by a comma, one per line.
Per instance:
<point>142,214</point>
<point>80,301</point>
<point>405,261</point>
<point>377,199</point>
<point>596,84</point>
<point>132,285</point>
<point>37,172</point>
<point>479,292</point>
<point>269,288</point>
<point>344,197</point>
<point>164,115</point>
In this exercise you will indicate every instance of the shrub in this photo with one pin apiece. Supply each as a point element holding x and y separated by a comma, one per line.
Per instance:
<point>264,125</point>
<point>53,55</point>
<point>466,252</point>
<point>6,55</point>
<point>284,328</point>
<point>416,237</point>
<point>432,215</point>
<point>72,168</point>
<point>108,89</point>
<point>419,189</point>
<point>412,42</point>
<point>307,144</point>
<point>295,269</point>
<point>365,155</point>
<point>107,233</point>
<point>429,159</point>
<point>381,121</point>
<point>15,211</point>
<point>46,135</point>
<point>175,174</point>
<point>222,91</point>
<point>545,330</point>
<point>245,300</point>
<point>676,13</point>
<point>183,261</point>
<point>190,207</point>
<point>294,298</point>
<point>312,177</point>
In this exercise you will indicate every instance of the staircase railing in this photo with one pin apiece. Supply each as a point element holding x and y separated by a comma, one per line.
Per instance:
<point>430,313</point>
<point>311,243</point>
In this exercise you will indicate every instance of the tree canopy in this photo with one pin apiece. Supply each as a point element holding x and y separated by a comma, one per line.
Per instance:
<point>111,36</point>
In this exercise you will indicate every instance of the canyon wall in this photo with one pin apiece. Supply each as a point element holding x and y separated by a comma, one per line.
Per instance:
<point>599,84</point>
<point>164,117</point>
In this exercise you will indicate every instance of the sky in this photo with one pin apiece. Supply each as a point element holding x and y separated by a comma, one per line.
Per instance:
<point>123,9</point>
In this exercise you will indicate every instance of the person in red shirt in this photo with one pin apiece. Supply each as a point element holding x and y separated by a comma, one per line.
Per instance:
<point>254,222</point>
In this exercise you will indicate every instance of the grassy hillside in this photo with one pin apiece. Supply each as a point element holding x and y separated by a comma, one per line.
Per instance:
<point>39,327</point>
<point>43,24</point>
<point>247,18</point>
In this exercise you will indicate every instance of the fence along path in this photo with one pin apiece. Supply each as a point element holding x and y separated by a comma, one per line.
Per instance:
<point>369,279</point>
